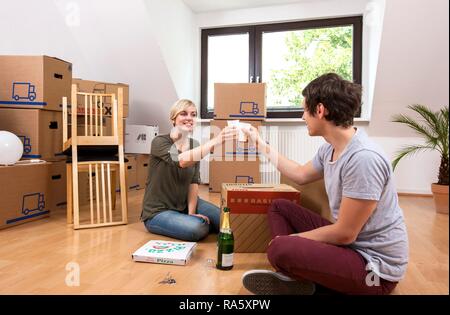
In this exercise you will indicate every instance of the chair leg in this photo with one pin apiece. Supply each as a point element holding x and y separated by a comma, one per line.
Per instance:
<point>113,186</point>
<point>69,194</point>
<point>123,185</point>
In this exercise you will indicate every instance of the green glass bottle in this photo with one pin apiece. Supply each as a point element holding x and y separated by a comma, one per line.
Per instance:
<point>225,243</point>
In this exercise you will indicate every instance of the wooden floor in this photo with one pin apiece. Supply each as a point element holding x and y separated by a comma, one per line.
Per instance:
<point>34,256</point>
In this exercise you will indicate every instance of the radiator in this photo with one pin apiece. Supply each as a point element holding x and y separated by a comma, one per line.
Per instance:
<point>292,142</point>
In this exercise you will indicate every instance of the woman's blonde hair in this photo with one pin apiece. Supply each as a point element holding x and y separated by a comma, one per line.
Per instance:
<point>178,107</point>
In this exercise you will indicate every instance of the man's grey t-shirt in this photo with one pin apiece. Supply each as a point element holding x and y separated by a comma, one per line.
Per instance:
<point>363,172</point>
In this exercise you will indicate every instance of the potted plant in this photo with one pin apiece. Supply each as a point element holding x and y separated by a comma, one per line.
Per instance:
<point>433,127</point>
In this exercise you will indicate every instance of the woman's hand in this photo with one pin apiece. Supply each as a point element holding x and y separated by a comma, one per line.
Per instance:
<point>201,216</point>
<point>227,134</point>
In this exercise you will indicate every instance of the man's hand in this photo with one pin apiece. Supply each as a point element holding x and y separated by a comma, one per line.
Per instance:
<point>253,135</point>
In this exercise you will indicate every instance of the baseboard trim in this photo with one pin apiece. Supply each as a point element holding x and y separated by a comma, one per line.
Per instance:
<point>409,194</point>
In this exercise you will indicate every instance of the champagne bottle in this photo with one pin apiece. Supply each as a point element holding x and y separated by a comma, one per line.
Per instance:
<point>225,243</point>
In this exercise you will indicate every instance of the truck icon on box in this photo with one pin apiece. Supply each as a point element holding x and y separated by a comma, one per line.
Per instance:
<point>26,143</point>
<point>248,108</point>
<point>244,179</point>
<point>33,202</point>
<point>23,90</point>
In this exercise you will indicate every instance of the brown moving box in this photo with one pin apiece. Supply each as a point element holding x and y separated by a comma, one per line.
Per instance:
<point>142,167</point>
<point>25,193</point>
<point>39,130</point>
<point>232,172</point>
<point>58,183</point>
<point>248,212</point>
<point>244,101</point>
<point>232,148</point>
<point>88,86</point>
<point>314,196</point>
<point>34,82</point>
<point>131,174</point>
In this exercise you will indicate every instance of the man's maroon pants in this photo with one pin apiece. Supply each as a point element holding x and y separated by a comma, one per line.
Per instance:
<point>338,268</point>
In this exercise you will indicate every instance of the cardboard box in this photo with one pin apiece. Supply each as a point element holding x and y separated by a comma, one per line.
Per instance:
<point>138,138</point>
<point>232,172</point>
<point>142,169</point>
<point>232,148</point>
<point>58,184</point>
<point>248,205</point>
<point>245,101</point>
<point>88,86</point>
<point>314,196</point>
<point>40,131</point>
<point>131,173</point>
<point>25,193</point>
<point>34,82</point>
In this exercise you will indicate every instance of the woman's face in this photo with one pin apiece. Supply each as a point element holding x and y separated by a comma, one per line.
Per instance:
<point>185,120</point>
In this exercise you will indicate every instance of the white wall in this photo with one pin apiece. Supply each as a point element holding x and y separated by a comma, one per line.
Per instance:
<point>108,40</point>
<point>154,45</point>
<point>372,10</point>
<point>405,61</point>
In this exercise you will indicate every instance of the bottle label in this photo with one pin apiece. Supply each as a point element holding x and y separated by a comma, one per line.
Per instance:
<point>227,260</point>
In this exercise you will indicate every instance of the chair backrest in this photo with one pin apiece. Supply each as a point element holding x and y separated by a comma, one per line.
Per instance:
<point>87,118</point>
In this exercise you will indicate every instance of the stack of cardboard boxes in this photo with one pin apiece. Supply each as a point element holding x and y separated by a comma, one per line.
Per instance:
<point>236,161</point>
<point>31,92</point>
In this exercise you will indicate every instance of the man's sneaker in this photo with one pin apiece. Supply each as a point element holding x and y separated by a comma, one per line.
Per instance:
<point>266,282</point>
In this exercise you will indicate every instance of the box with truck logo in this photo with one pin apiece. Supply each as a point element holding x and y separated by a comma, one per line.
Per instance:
<point>222,171</point>
<point>244,101</point>
<point>34,82</point>
<point>39,130</point>
<point>26,196</point>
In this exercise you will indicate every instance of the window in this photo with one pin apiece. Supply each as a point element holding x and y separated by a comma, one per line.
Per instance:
<point>286,56</point>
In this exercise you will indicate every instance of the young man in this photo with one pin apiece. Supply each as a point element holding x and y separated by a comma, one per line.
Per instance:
<point>365,249</point>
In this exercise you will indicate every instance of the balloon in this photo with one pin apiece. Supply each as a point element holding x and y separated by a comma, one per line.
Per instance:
<point>11,148</point>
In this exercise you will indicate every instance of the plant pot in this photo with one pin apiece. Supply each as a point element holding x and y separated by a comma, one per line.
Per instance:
<point>440,196</point>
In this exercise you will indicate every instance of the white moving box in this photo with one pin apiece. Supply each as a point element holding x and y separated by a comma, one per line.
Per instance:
<point>138,138</point>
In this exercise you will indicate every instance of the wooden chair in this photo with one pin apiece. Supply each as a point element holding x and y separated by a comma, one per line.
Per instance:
<point>98,152</point>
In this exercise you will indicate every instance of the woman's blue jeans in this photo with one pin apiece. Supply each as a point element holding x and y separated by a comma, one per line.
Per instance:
<point>182,226</point>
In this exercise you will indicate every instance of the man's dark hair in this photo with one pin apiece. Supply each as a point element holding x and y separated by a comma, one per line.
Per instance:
<point>340,97</point>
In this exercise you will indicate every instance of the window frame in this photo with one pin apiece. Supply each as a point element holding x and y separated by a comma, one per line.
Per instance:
<point>255,53</point>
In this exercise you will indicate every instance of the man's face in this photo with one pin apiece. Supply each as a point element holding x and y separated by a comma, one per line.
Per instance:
<point>312,122</point>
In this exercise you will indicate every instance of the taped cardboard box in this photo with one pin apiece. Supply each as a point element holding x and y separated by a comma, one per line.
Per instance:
<point>233,148</point>
<point>233,172</point>
<point>34,82</point>
<point>130,173</point>
<point>58,184</point>
<point>142,169</point>
<point>89,86</point>
<point>245,101</point>
<point>40,131</point>
<point>25,198</point>
<point>248,204</point>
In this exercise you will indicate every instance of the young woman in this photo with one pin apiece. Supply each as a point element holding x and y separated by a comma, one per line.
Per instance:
<point>171,205</point>
<point>365,249</point>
